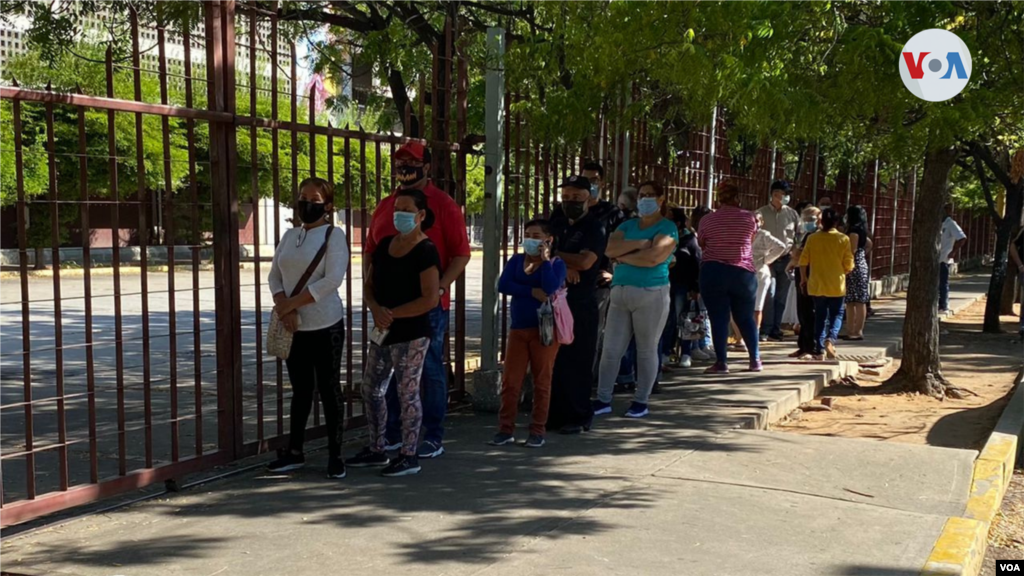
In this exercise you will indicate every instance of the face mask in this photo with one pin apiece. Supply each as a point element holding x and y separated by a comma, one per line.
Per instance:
<point>405,222</point>
<point>647,206</point>
<point>310,212</point>
<point>594,191</point>
<point>574,210</point>
<point>409,174</point>
<point>810,227</point>
<point>532,246</point>
<point>824,207</point>
<point>785,200</point>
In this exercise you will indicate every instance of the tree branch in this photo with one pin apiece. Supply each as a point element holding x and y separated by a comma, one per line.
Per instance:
<point>983,178</point>
<point>416,22</point>
<point>984,153</point>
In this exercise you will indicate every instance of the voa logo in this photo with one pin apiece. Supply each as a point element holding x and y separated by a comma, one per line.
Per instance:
<point>935,65</point>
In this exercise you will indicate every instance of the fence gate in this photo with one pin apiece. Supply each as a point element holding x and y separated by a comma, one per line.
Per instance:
<point>158,196</point>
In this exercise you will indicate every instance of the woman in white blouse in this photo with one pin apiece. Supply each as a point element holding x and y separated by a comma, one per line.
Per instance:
<point>317,317</point>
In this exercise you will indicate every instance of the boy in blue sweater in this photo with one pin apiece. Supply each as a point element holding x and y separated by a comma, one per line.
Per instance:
<point>530,279</point>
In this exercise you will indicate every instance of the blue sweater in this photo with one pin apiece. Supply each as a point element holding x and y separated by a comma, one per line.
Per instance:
<point>515,282</point>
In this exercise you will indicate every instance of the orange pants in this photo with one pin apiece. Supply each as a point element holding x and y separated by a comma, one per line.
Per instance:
<point>523,349</point>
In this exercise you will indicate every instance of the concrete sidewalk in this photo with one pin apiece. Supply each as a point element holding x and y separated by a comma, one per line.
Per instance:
<point>691,490</point>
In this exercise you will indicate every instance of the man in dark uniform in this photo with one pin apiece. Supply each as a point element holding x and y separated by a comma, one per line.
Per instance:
<point>580,240</point>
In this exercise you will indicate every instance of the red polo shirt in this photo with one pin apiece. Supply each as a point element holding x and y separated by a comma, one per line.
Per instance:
<point>448,232</point>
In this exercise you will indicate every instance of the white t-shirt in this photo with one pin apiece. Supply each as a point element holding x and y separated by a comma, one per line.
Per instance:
<point>951,233</point>
<point>290,263</point>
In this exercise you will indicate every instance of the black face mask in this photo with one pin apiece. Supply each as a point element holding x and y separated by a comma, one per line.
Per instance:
<point>409,174</point>
<point>574,210</point>
<point>310,212</point>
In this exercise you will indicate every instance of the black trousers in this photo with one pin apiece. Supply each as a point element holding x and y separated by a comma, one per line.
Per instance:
<point>573,376</point>
<point>805,314</point>
<point>314,363</point>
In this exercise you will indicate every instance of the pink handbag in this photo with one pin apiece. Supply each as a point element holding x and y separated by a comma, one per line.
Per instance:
<point>563,317</point>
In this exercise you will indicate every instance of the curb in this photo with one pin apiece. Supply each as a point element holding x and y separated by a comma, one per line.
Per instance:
<point>961,546</point>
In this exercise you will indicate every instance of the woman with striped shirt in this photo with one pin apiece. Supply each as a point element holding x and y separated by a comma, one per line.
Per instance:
<point>728,279</point>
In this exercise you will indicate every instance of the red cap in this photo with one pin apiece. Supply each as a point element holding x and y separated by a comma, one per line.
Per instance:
<point>412,150</point>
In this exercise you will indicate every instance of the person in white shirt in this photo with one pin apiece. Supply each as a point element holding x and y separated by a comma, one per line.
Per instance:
<point>316,316</point>
<point>951,240</point>
<point>781,221</point>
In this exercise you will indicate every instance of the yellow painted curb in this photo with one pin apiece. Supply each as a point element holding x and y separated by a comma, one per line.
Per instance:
<point>987,488</point>
<point>959,550</point>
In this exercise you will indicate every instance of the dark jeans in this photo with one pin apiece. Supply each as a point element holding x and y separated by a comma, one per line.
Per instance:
<point>604,298</point>
<point>775,302</point>
<point>573,376</point>
<point>828,319</point>
<point>433,387</point>
<point>728,292</point>
<point>943,286</point>
<point>314,363</point>
<point>805,313</point>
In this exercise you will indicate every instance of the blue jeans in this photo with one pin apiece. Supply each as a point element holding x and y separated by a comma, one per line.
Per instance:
<point>775,302</point>
<point>943,286</point>
<point>433,387</point>
<point>828,319</point>
<point>729,292</point>
<point>1020,285</point>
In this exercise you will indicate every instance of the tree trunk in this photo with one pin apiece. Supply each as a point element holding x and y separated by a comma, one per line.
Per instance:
<point>40,254</point>
<point>921,368</point>
<point>1006,227</point>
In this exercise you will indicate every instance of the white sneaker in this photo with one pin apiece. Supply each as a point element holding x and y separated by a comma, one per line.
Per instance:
<point>685,361</point>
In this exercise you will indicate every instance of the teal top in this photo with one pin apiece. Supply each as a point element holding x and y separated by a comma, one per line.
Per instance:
<point>655,276</point>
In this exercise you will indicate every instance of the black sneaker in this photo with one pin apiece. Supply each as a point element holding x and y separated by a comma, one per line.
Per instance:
<point>534,441</point>
<point>402,466</point>
<point>287,462</point>
<point>336,468</point>
<point>368,459</point>
<point>569,430</point>
<point>501,438</point>
<point>430,449</point>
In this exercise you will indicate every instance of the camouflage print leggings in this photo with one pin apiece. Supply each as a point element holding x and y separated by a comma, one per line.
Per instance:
<point>405,359</point>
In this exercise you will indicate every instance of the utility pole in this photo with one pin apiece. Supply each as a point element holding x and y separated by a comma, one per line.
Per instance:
<point>494,158</point>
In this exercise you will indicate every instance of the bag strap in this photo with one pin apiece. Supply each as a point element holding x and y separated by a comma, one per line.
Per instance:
<point>313,265</point>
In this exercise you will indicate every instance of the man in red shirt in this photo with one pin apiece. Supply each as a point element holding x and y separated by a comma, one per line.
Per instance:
<point>411,165</point>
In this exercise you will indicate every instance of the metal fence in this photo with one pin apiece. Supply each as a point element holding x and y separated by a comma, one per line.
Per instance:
<point>124,376</point>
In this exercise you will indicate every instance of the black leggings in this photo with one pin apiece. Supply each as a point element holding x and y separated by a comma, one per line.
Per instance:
<point>315,364</point>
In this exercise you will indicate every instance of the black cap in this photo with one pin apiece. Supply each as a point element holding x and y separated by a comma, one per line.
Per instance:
<point>575,181</point>
<point>781,185</point>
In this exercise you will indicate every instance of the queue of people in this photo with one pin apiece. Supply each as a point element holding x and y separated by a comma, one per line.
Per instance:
<point>595,283</point>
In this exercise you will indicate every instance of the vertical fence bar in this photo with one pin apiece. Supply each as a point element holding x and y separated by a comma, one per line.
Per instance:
<point>312,172</point>
<point>90,371</point>
<point>169,242</point>
<point>115,237</point>
<point>197,339</point>
<point>58,326</point>
<point>364,344</point>
<point>142,195</point>
<point>506,203</point>
<point>26,333</point>
<point>348,277</point>
<point>275,169</point>
<point>255,218</point>
<point>461,130</point>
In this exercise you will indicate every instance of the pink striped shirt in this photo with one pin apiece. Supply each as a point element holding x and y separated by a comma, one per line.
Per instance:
<point>725,236</point>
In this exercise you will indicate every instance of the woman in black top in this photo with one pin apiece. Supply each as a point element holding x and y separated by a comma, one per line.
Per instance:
<point>402,286</point>
<point>857,290</point>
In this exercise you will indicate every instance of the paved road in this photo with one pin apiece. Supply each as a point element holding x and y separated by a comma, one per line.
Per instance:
<point>191,366</point>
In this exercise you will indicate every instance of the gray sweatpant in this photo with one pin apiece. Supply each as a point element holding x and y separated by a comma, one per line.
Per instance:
<point>633,311</point>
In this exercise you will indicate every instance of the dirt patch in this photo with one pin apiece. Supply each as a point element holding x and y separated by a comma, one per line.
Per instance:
<point>985,364</point>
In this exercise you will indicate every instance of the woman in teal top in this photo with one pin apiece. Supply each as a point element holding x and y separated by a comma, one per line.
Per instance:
<point>642,248</point>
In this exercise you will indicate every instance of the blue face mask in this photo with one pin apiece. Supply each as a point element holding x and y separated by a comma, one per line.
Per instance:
<point>810,227</point>
<point>594,191</point>
<point>405,222</point>
<point>532,246</point>
<point>647,206</point>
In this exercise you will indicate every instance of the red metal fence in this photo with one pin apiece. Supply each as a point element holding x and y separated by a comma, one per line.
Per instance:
<point>130,374</point>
